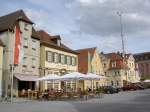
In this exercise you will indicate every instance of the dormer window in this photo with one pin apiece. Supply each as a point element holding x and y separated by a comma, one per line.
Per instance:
<point>58,42</point>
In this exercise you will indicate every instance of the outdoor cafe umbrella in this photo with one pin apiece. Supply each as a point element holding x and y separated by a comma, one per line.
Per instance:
<point>73,76</point>
<point>92,76</point>
<point>136,81</point>
<point>49,77</point>
<point>146,80</point>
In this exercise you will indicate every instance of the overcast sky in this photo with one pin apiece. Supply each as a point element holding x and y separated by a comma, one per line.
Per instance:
<point>90,23</point>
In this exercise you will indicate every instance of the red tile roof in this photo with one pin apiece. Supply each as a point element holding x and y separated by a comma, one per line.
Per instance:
<point>50,41</point>
<point>117,59</point>
<point>83,59</point>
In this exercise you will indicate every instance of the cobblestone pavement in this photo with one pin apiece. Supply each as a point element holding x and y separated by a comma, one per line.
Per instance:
<point>132,101</point>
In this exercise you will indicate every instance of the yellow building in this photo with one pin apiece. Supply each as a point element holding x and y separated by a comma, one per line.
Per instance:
<point>118,70</point>
<point>56,58</point>
<point>133,75</point>
<point>1,69</point>
<point>90,62</point>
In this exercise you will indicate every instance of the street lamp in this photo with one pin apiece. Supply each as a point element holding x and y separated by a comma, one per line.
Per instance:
<point>122,40</point>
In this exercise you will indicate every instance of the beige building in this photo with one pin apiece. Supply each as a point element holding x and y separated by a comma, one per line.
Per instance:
<point>56,58</point>
<point>29,52</point>
<point>1,66</point>
<point>133,75</point>
<point>90,62</point>
<point>117,71</point>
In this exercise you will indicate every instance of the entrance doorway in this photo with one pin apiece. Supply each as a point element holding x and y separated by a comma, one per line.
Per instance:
<point>26,85</point>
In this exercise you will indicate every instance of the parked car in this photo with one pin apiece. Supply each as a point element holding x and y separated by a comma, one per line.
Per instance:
<point>140,87</point>
<point>110,90</point>
<point>129,88</point>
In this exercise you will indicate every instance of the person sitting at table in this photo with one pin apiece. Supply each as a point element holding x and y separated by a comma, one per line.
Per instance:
<point>45,94</point>
<point>89,90</point>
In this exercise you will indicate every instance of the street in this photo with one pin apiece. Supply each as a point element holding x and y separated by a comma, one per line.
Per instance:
<point>132,101</point>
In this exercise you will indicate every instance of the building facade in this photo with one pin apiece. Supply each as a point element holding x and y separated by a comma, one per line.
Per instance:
<point>1,66</point>
<point>90,62</point>
<point>29,53</point>
<point>118,70</point>
<point>56,58</point>
<point>143,63</point>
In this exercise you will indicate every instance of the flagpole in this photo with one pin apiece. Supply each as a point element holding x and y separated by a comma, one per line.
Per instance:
<point>12,82</point>
<point>12,66</point>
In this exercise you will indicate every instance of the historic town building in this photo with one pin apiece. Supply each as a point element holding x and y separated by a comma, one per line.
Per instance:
<point>90,62</point>
<point>1,66</point>
<point>118,70</point>
<point>56,58</point>
<point>143,62</point>
<point>17,27</point>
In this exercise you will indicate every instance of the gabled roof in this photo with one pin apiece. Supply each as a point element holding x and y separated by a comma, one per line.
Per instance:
<point>90,50</point>
<point>8,21</point>
<point>113,56</point>
<point>118,59</point>
<point>49,41</point>
<point>142,56</point>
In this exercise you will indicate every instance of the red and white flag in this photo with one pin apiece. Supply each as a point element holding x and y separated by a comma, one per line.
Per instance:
<point>17,47</point>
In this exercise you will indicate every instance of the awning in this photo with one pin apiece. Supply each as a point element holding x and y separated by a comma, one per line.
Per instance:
<point>26,77</point>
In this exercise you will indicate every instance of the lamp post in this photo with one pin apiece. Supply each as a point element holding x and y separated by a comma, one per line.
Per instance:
<point>122,41</point>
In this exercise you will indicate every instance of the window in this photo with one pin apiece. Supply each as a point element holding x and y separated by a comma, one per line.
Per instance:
<point>33,62</point>
<point>113,64</point>
<point>33,45</point>
<point>117,83</point>
<point>25,42</point>
<point>56,57</point>
<point>25,26</point>
<point>49,56</point>
<point>25,62</point>
<point>65,59</point>
<point>62,59</point>
<point>59,58</point>
<point>73,61</point>
<point>104,65</point>
<point>68,60</point>
<point>112,83</point>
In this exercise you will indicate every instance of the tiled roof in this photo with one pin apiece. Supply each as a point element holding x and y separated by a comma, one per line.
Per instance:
<point>83,59</point>
<point>142,56</point>
<point>49,40</point>
<point>90,50</point>
<point>8,21</point>
<point>117,59</point>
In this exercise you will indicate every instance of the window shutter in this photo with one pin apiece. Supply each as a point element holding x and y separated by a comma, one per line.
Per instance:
<point>46,55</point>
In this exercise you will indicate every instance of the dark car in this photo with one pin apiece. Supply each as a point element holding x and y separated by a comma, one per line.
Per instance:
<point>110,90</point>
<point>140,87</point>
<point>129,88</point>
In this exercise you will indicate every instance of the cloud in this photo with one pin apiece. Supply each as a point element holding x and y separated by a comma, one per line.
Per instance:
<point>89,23</point>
